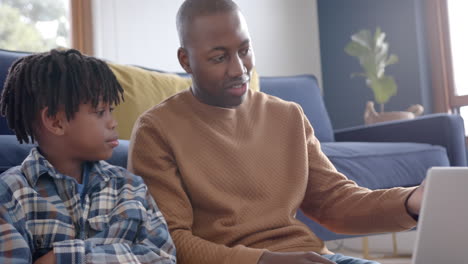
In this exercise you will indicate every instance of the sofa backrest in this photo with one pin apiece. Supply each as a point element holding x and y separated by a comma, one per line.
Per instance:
<point>6,59</point>
<point>304,90</point>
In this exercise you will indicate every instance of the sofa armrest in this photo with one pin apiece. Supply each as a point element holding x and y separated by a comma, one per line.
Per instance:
<point>445,130</point>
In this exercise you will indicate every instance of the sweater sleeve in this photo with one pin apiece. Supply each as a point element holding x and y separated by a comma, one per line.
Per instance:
<point>150,156</point>
<point>339,204</point>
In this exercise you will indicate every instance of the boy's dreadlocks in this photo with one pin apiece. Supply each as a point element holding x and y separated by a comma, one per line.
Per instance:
<point>59,79</point>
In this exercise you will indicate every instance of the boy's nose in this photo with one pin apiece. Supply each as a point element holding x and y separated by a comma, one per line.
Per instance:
<point>113,123</point>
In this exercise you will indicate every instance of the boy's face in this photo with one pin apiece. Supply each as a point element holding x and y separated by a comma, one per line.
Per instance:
<point>91,134</point>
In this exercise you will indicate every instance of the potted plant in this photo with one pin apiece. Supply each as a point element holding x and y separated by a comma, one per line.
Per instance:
<point>372,52</point>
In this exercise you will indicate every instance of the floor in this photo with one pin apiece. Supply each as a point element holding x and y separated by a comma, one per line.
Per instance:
<point>380,247</point>
<point>378,257</point>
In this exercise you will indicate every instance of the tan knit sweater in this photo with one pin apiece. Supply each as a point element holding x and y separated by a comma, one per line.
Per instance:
<point>229,181</point>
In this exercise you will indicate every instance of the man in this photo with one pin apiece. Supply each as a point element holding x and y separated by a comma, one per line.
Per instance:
<point>229,167</point>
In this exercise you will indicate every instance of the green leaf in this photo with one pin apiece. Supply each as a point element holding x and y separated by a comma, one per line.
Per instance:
<point>372,53</point>
<point>355,49</point>
<point>379,37</point>
<point>363,38</point>
<point>383,88</point>
<point>392,59</point>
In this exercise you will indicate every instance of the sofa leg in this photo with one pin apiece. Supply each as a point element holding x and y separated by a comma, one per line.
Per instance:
<point>395,247</point>
<point>395,254</point>
<point>365,248</point>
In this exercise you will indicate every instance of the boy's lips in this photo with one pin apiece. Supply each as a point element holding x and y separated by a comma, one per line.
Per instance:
<point>113,142</point>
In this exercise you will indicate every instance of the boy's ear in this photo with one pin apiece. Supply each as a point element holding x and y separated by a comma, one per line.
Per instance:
<point>54,124</point>
<point>183,59</point>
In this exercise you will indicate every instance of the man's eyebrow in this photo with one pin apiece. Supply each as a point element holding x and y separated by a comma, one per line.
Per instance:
<point>245,42</point>
<point>221,48</point>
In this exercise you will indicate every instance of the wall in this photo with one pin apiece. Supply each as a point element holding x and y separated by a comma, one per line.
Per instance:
<point>403,21</point>
<point>285,36</point>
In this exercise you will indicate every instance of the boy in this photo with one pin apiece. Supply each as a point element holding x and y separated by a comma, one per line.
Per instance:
<point>64,204</point>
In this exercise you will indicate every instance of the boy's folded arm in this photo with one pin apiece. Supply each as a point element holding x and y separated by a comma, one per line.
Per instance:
<point>84,251</point>
<point>13,247</point>
<point>153,244</point>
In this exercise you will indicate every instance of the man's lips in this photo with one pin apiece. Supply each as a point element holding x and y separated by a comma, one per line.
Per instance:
<point>238,89</point>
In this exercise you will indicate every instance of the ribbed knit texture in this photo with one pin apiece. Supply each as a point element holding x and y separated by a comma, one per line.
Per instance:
<point>229,181</point>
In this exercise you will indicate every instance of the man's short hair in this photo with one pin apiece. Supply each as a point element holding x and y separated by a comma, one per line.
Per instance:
<point>58,79</point>
<point>191,9</point>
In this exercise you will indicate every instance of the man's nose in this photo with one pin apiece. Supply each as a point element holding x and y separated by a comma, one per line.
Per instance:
<point>236,67</point>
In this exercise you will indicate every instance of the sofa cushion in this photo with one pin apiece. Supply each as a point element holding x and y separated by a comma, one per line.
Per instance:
<point>6,60</point>
<point>398,164</point>
<point>17,152</point>
<point>143,89</point>
<point>304,90</point>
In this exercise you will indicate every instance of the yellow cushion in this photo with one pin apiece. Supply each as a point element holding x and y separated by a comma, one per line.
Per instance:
<point>144,89</point>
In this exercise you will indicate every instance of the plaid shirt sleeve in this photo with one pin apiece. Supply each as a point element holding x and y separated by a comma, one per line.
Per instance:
<point>152,245</point>
<point>13,247</point>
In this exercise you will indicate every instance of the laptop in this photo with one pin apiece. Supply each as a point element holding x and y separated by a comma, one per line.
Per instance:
<point>442,235</point>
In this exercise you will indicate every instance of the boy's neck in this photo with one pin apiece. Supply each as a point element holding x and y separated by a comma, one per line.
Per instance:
<point>65,165</point>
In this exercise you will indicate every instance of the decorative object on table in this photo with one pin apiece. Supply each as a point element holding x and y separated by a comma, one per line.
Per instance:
<point>372,52</point>
<point>371,116</point>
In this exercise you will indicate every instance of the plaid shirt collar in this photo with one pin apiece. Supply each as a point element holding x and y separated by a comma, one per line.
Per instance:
<point>36,165</point>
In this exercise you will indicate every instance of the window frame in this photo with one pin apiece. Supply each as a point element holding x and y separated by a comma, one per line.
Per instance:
<point>81,21</point>
<point>443,86</point>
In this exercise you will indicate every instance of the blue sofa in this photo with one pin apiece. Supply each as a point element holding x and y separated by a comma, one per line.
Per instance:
<point>384,155</point>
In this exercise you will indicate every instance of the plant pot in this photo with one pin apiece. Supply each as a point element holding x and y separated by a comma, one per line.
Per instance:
<point>371,116</point>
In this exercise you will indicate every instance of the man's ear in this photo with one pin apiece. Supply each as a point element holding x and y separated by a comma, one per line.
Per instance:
<point>183,59</point>
<point>54,124</point>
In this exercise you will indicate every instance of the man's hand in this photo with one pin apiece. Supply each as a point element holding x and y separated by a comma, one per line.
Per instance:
<point>293,258</point>
<point>48,258</point>
<point>413,204</point>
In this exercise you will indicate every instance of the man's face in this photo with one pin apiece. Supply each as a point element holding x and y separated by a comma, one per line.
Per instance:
<point>219,56</point>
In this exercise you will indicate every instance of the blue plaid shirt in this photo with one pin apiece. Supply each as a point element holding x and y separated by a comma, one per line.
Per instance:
<point>118,221</point>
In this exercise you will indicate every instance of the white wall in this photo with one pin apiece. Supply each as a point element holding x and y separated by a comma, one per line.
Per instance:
<point>284,33</point>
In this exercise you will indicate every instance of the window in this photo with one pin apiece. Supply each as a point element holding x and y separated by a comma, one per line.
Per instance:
<point>40,25</point>
<point>448,42</point>
<point>458,20</point>
<point>34,25</point>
